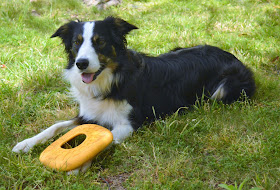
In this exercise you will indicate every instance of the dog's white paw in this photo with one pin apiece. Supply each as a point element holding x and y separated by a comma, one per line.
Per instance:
<point>74,172</point>
<point>116,141</point>
<point>121,132</point>
<point>81,169</point>
<point>23,146</point>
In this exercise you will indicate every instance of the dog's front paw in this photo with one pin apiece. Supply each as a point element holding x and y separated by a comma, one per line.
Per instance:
<point>23,146</point>
<point>81,169</point>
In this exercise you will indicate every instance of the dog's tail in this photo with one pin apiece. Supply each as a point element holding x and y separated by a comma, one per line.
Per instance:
<point>235,80</point>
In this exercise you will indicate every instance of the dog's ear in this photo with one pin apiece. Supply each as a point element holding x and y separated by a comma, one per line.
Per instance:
<point>119,28</point>
<point>65,32</point>
<point>122,26</point>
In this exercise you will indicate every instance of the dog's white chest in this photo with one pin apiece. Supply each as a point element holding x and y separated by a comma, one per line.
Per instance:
<point>105,111</point>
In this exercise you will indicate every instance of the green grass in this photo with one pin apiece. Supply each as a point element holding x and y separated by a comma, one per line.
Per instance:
<point>211,145</point>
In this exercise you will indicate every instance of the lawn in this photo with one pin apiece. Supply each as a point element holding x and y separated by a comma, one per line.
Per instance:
<point>210,145</point>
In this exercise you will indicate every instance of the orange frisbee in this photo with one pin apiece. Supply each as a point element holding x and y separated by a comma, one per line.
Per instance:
<point>97,139</point>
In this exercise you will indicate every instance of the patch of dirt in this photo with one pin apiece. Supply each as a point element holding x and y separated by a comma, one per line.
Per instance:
<point>116,182</point>
<point>102,4</point>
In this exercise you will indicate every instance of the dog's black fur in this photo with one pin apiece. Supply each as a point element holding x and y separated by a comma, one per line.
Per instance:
<point>161,85</point>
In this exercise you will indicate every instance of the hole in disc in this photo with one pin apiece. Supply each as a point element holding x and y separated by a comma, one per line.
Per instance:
<point>76,141</point>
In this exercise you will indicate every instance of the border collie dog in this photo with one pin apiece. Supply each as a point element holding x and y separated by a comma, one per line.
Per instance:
<point>119,88</point>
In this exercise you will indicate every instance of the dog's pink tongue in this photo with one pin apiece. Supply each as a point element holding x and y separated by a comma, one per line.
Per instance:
<point>87,77</point>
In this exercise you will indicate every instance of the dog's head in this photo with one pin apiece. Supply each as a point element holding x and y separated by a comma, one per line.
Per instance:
<point>94,46</point>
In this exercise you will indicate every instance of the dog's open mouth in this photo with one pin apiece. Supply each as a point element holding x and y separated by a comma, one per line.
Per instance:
<point>88,77</point>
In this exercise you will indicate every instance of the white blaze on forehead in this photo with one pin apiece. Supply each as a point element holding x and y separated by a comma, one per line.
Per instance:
<point>88,33</point>
<point>86,50</point>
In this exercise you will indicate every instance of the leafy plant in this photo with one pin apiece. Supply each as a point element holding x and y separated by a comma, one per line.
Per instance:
<point>236,187</point>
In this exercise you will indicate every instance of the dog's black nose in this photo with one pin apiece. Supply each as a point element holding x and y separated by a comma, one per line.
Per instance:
<point>82,63</point>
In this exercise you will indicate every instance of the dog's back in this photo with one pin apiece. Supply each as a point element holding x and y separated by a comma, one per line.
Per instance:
<point>177,79</point>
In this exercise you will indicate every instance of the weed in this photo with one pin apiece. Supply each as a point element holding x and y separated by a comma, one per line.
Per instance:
<point>236,187</point>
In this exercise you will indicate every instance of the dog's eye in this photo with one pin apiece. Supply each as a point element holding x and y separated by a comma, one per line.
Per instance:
<point>79,40</point>
<point>99,41</point>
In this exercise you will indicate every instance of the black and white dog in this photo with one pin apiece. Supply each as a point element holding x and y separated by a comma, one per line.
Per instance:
<point>119,88</point>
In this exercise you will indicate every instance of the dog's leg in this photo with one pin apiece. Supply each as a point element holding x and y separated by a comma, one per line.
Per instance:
<point>121,132</point>
<point>81,169</point>
<point>27,144</point>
